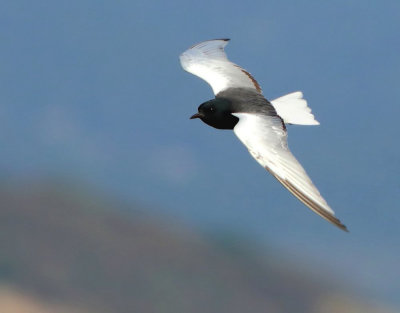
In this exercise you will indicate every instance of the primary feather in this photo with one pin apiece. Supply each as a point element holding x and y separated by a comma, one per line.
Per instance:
<point>266,140</point>
<point>208,61</point>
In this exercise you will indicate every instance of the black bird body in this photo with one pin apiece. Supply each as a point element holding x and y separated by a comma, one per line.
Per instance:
<point>218,111</point>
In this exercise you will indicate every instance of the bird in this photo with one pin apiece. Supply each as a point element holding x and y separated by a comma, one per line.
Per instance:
<point>260,125</point>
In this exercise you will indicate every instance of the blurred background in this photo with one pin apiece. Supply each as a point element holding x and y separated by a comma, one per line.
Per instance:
<point>112,200</point>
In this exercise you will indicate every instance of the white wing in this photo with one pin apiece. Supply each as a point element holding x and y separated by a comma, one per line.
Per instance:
<point>208,61</point>
<point>293,109</point>
<point>266,140</point>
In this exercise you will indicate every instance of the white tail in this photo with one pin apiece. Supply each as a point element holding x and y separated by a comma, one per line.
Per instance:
<point>293,109</point>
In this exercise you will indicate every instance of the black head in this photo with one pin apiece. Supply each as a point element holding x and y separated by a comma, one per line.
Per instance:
<point>217,113</point>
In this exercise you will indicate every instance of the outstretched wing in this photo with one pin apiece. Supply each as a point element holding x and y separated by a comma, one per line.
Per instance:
<point>266,141</point>
<point>208,61</point>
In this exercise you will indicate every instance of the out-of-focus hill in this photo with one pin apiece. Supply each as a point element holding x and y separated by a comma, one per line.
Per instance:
<point>67,251</point>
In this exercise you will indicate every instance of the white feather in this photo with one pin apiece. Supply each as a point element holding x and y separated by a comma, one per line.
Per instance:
<point>208,61</point>
<point>266,141</point>
<point>293,109</point>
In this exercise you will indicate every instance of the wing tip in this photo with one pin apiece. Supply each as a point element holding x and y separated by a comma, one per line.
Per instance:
<point>201,42</point>
<point>335,221</point>
<point>222,39</point>
<point>330,217</point>
<point>327,215</point>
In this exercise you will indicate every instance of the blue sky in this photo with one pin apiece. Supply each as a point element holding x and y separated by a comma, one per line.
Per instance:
<point>94,92</point>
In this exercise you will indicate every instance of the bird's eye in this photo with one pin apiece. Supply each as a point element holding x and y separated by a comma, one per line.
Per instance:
<point>212,109</point>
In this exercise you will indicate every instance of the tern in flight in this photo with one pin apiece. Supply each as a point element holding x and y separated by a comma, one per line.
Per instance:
<point>260,124</point>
